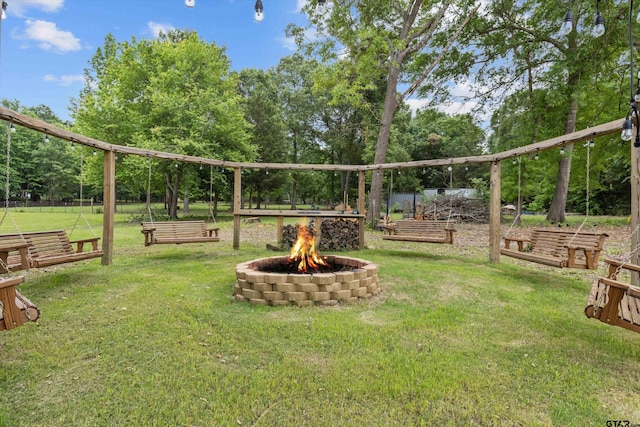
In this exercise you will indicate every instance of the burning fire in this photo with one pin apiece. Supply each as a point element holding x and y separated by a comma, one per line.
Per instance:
<point>304,252</point>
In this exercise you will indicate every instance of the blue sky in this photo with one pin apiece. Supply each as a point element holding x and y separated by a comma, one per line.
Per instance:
<point>46,44</point>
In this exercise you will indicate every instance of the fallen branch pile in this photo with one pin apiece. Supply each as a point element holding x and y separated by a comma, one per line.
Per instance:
<point>454,208</point>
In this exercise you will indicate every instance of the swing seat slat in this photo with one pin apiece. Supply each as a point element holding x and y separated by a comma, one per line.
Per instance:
<point>429,231</point>
<point>557,248</point>
<point>16,309</point>
<point>614,302</point>
<point>177,232</point>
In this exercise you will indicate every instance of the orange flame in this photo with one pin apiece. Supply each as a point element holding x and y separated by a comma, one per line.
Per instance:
<point>304,252</point>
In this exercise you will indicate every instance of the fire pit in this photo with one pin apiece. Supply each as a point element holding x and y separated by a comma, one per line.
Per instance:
<point>305,278</point>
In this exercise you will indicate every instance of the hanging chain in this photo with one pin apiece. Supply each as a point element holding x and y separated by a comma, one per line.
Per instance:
<point>451,195</point>
<point>81,214</point>
<point>81,173</point>
<point>211,193</point>
<point>6,189</point>
<point>588,145</point>
<point>519,195</point>
<point>149,190</point>
<point>588,169</point>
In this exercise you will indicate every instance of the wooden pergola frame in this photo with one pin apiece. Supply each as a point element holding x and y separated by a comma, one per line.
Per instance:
<point>110,150</point>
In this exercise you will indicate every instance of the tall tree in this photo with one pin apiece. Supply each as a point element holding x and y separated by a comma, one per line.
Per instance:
<point>521,49</point>
<point>260,92</point>
<point>400,41</point>
<point>300,112</point>
<point>40,168</point>
<point>175,93</point>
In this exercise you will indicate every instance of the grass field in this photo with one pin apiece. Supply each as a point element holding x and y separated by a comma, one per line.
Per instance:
<point>157,339</point>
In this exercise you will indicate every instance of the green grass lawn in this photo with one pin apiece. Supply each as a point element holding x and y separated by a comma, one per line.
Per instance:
<point>157,339</point>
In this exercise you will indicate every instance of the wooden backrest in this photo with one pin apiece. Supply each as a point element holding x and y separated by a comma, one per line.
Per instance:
<point>44,244</point>
<point>555,242</point>
<point>176,229</point>
<point>406,227</point>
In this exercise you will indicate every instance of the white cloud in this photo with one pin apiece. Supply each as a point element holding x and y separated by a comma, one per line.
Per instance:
<point>64,80</point>
<point>19,7</point>
<point>156,28</point>
<point>416,104</point>
<point>50,37</point>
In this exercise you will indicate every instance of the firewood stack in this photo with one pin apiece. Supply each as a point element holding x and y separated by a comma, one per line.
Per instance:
<point>340,234</point>
<point>454,208</point>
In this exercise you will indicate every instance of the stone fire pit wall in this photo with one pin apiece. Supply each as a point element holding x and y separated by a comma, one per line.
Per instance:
<point>255,284</point>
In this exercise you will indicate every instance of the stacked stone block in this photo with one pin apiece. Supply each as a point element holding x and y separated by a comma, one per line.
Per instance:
<point>255,284</point>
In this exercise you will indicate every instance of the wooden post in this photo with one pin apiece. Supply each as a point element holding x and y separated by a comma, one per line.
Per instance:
<point>494,213</point>
<point>109,189</point>
<point>361,207</point>
<point>635,204</point>
<point>237,197</point>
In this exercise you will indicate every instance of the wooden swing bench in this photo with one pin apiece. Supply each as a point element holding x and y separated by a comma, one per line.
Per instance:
<point>43,249</point>
<point>614,302</point>
<point>409,230</point>
<point>557,248</point>
<point>15,309</point>
<point>178,232</point>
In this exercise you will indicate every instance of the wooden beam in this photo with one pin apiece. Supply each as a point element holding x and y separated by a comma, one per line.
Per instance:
<point>109,190</point>
<point>237,198</point>
<point>297,214</point>
<point>494,213</point>
<point>54,131</point>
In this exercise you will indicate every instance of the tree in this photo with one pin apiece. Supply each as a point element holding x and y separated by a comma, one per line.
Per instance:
<point>437,135</point>
<point>400,41</point>
<point>259,90</point>
<point>300,113</point>
<point>40,168</point>
<point>522,50</point>
<point>173,94</point>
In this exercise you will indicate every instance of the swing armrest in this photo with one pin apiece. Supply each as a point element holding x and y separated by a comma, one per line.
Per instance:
<point>519,240</point>
<point>22,250</point>
<point>626,265</point>
<point>389,229</point>
<point>80,243</point>
<point>212,230</point>
<point>6,247</point>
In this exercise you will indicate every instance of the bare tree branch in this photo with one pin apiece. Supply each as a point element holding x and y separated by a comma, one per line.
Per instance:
<point>444,51</point>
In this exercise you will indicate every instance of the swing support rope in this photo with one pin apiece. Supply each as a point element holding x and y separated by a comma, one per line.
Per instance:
<point>149,190</point>
<point>519,195</point>
<point>211,194</point>
<point>451,196</point>
<point>7,212</point>
<point>586,217</point>
<point>81,214</point>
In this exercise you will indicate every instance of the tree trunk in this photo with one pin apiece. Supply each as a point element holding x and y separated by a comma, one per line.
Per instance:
<point>382,144</point>
<point>172,192</point>
<point>558,206</point>
<point>185,205</point>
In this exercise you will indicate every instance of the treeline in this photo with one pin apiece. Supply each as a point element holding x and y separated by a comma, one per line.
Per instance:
<point>324,105</point>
